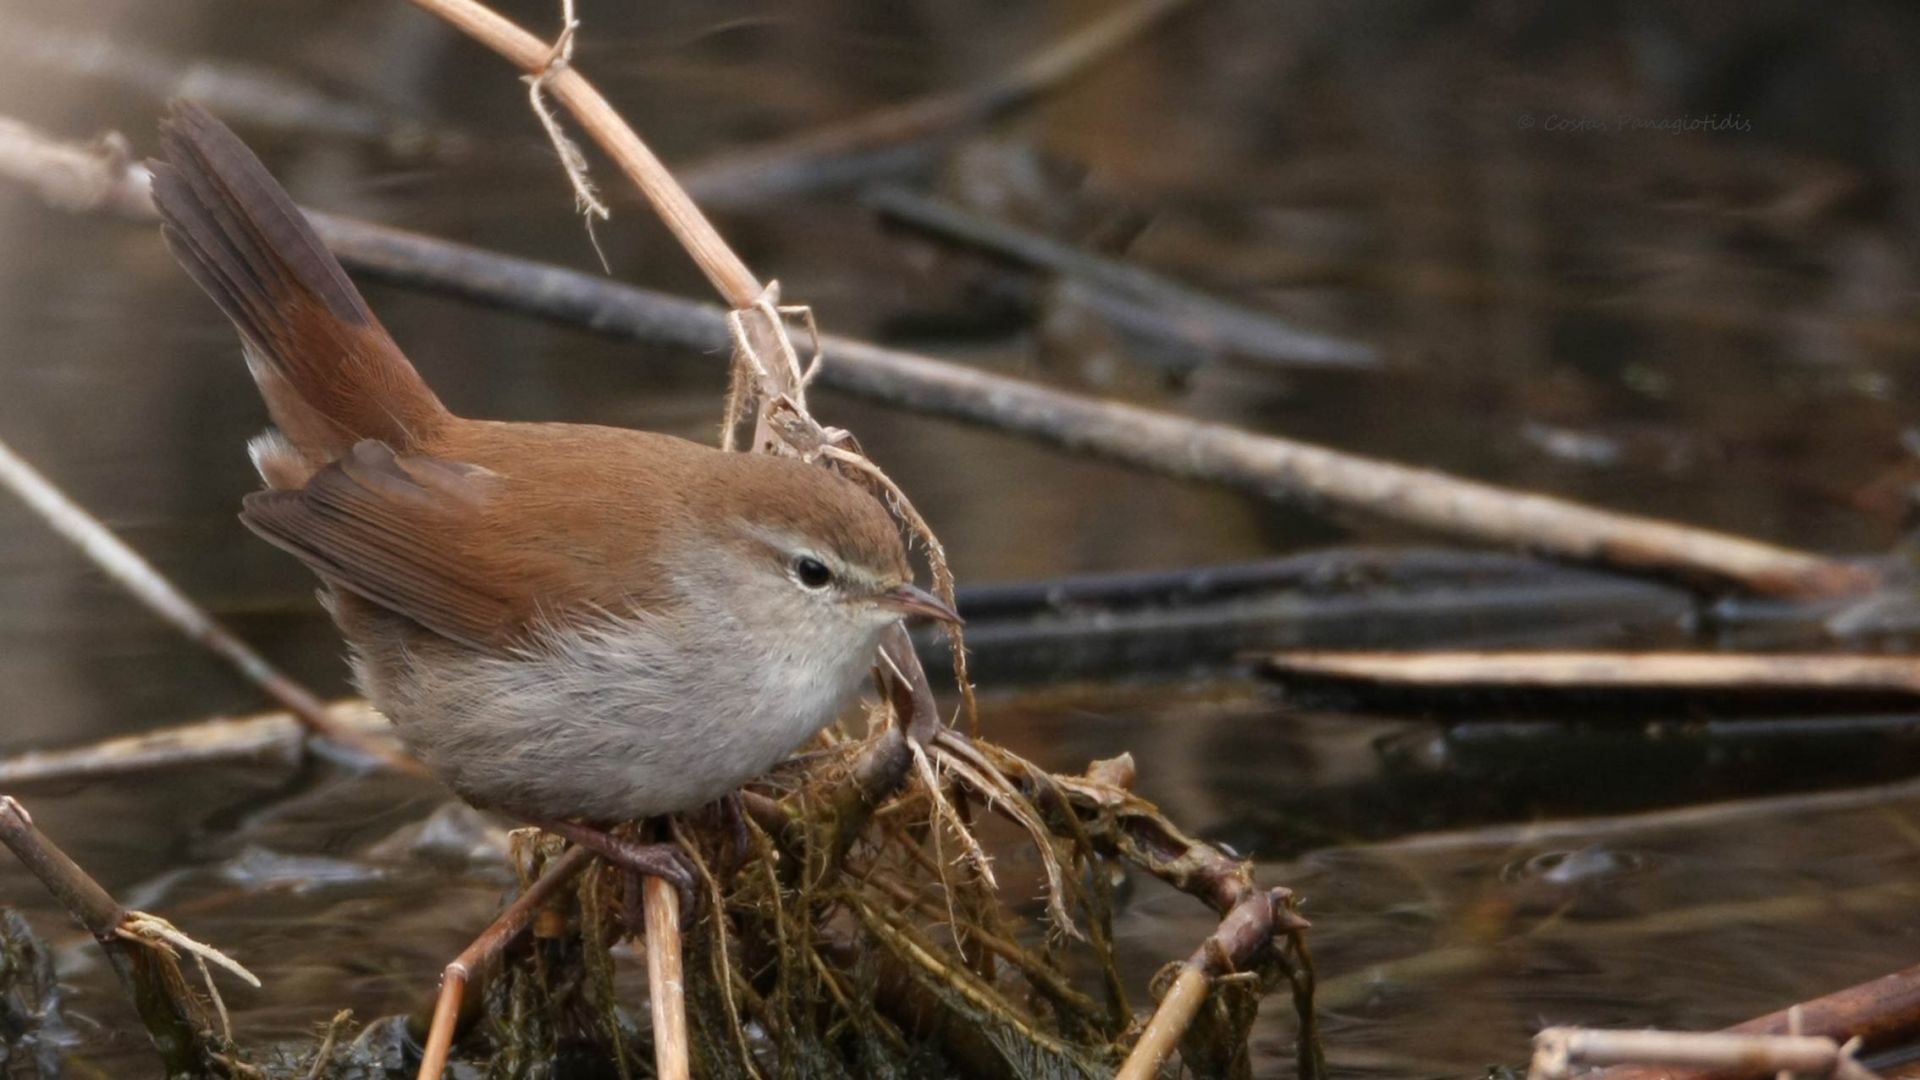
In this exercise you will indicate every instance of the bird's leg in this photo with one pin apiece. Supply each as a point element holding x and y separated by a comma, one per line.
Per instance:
<point>664,861</point>
<point>733,818</point>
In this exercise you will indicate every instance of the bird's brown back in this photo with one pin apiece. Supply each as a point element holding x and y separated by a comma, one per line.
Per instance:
<point>497,528</point>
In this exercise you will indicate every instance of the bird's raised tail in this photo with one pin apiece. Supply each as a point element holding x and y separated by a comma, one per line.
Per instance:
<point>329,372</point>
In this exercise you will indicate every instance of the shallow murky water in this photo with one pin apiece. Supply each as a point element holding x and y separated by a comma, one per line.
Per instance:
<point>1713,326</point>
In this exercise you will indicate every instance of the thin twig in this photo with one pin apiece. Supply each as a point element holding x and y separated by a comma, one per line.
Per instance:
<point>1267,466</point>
<point>137,576</point>
<point>1288,470</point>
<point>324,1055</point>
<point>100,177</point>
<point>827,155</point>
<point>666,981</point>
<point>722,944</point>
<point>154,931</point>
<point>490,943</point>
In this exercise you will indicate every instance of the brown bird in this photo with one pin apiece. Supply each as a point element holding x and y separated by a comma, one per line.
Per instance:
<point>573,625</point>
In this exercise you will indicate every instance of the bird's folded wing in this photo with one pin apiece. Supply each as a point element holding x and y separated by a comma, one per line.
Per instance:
<point>388,528</point>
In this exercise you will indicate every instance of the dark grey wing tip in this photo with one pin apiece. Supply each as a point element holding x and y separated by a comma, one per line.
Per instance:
<point>214,168</point>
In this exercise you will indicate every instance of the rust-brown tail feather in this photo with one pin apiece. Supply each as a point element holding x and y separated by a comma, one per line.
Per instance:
<point>329,372</point>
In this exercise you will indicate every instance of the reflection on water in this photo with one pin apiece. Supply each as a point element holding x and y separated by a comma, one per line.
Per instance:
<point>1717,327</point>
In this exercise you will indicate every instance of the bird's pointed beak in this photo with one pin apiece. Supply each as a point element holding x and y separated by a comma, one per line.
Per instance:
<point>911,599</point>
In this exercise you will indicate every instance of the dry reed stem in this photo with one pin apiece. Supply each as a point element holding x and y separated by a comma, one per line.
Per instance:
<point>1169,1022</point>
<point>1560,1052</point>
<point>1879,1014</point>
<point>729,276</point>
<point>1579,831</point>
<point>491,942</point>
<point>1247,929</point>
<point>199,742</point>
<point>127,569</point>
<point>666,981</point>
<point>1589,671</point>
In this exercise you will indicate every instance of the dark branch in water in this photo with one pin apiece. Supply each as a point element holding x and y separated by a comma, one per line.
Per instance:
<point>1332,570</point>
<point>1176,620</point>
<point>1138,299</point>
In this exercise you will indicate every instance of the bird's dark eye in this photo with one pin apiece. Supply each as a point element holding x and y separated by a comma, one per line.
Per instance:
<point>812,572</point>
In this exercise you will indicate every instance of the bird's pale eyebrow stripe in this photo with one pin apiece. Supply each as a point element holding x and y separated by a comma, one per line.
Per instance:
<point>784,541</point>
<point>792,544</point>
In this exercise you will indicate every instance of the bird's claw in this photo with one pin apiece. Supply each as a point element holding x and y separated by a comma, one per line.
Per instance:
<point>664,861</point>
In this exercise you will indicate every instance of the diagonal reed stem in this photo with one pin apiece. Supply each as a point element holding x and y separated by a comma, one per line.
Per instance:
<point>490,944</point>
<point>138,577</point>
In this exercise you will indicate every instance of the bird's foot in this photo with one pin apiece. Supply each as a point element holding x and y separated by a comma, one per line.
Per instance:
<point>664,861</point>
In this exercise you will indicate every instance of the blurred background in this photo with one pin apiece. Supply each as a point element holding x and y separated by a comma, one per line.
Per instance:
<point>1655,257</point>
